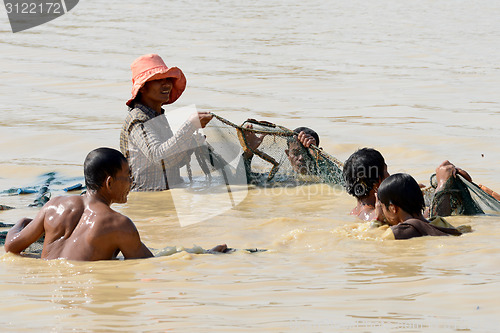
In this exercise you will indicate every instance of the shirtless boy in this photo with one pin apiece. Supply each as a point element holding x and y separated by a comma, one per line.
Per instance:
<point>85,227</point>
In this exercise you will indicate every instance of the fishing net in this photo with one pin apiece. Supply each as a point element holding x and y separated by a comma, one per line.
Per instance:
<point>460,197</point>
<point>41,191</point>
<point>260,153</point>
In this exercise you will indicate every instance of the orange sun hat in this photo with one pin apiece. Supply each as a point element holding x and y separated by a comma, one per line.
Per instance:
<point>151,67</point>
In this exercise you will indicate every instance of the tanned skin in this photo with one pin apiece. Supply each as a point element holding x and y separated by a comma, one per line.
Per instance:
<point>83,227</point>
<point>367,210</point>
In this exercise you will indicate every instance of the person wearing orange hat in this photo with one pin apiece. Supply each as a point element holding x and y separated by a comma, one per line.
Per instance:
<point>154,152</point>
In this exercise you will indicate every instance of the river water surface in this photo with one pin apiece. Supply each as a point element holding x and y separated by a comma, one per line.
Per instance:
<point>417,80</point>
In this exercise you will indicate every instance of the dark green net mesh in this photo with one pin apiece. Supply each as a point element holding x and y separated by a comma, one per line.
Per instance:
<point>278,159</point>
<point>461,197</point>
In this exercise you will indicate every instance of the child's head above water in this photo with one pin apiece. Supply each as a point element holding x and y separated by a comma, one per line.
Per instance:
<point>402,190</point>
<point>363,170</point>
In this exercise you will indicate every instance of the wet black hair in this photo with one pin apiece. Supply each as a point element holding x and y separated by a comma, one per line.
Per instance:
<point>402,190</point>
<point>99,164</point>
<point>362,170</point>
<point>309,131</point>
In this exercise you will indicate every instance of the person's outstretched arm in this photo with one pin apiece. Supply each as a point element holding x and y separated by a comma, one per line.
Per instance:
<point>24,233</point>
<point>176,149</point>
<point>130,243</point>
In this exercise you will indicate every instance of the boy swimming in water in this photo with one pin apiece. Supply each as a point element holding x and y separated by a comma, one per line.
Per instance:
<point>402,203</point>
<point>85,227</point>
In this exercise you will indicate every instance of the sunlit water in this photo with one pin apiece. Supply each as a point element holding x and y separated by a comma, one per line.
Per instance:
<point>416,80</point>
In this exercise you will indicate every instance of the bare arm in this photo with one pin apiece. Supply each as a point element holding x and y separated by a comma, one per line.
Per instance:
<point>130,243</point>
<point>464,174</point>
<point>447,170</point>
<point>24,233</point>
<point>140,252</point>
<point>444,171</point>
<point>252,140</point>
<point>201,119</point>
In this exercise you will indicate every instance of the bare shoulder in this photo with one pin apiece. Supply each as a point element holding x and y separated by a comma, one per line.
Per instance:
<point>120,221</point>
<point>66,201</point>
<point>124,220</point>
<point>64,205</point>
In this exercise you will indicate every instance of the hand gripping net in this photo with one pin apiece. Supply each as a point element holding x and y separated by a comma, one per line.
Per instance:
<point>279,159</point>
<point>461,197</point>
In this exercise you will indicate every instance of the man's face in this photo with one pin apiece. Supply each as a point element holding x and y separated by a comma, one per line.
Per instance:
<point>122,183</point>
<point>157,90</point>
<point>295,153</point>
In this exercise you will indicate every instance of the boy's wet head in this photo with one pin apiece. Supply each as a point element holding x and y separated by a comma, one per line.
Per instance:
<point>101,163</point>
<point>363,170</point>
<point>402,190</point>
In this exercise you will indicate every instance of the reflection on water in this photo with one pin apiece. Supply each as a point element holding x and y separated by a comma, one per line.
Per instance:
<point>417,80</point>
